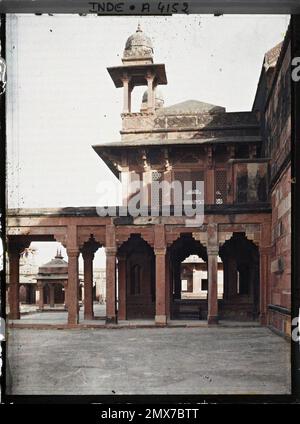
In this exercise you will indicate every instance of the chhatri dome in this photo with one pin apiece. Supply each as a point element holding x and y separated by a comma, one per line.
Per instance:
<point>56,268</point>
<point>138,48</point>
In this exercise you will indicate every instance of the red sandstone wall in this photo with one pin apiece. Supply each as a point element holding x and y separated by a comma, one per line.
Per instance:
<point>280,283</point>
<point>278,125</point>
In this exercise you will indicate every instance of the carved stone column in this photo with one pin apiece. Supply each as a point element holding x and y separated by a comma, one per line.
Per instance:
<point>111,316</point>
<point>14,278</point>
<point>126,94</point>
<point>212,268</point>
<point>121,287</point>
<point>88,257</point>
<point>40,288</point>
<point>151,99</point>
<point>14,250</point>
<point>160,278</point>
<point>212,256</point>
<point>168,287</point>
<point>73,287</point>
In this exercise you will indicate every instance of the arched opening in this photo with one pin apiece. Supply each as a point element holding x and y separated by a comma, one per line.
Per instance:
<point>137,280</point>
<point>188,278</point>
<point>99,283</point>
<point>92,280</point>
<point>194,278</point>
<point>240,257</point>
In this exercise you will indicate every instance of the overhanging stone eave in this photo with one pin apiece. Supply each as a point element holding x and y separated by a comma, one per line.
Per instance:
<point>103,148</point>
<point>91,211</point>
<point>136,71</point>
<point>104,155</point>
<point>68,211</point>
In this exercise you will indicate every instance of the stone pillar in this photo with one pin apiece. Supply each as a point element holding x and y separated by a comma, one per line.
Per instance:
<point>111,316</point>
<point>122,287</point>
<point>88,257</point>
<point>151,99</point>
<point>168,287</point>
<point>14,276</point>
<point>73,287</point>
<point>126,94</point>
<point>212,256</point>
<point>160,279</point>
<point>40,287</point>
<point>212,268</point>
<point>51,295</point>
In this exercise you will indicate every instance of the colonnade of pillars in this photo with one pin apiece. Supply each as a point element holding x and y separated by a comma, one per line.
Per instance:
<point>72,289</point>
<point>113,313</point>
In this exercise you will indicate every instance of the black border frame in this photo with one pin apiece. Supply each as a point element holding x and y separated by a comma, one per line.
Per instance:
<point>284,7</point>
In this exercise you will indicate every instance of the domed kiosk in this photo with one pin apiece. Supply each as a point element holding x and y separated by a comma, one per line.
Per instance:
<point>52,280</point>
<point>138,69</point>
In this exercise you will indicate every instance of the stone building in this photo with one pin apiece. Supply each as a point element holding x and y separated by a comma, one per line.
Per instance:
<point>52,282</point>
<point>243,160</point>
<point>28,271</point>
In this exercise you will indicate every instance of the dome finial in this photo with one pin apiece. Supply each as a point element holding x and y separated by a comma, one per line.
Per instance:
<point>58,254</point>
<point>138,48</point>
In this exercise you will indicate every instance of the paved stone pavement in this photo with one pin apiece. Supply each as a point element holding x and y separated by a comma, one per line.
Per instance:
<point>148,361</point>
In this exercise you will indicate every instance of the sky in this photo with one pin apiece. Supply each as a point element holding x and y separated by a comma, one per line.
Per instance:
<point>61,100</point>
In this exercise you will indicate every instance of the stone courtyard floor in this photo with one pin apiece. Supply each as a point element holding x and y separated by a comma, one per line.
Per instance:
<point>224,360</point>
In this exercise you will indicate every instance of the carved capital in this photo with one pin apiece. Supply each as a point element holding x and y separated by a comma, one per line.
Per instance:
<point>150,76</point>
<point>111,251</point>
<point>160,251</point>
<point>17,246</point>
<point>73,252</point>
<point>125,78</point>
<point>87,254</point>
<point>265,250</point>
<point>89,248</point>
<point>212,251</point>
